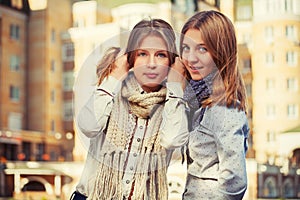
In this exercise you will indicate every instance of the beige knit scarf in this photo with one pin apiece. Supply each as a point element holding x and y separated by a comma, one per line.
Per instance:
<point>150,180</point>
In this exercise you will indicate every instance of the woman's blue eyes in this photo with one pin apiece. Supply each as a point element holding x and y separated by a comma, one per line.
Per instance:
<point>185,48</point>
<point>162,55</point>
<point>202,49</point>
<point>141,54</point>
<point>199,49</point>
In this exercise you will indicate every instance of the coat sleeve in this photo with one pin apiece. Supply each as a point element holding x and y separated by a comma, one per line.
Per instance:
<point>174,129</point>
<point>92,118</point>
<point>231,139</point>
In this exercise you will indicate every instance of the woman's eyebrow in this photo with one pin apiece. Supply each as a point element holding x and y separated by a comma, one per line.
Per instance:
<point>201,44</point>
<point>162,50</point>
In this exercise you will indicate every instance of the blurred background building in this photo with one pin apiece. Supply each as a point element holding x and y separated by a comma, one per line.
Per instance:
<point>48,55</point>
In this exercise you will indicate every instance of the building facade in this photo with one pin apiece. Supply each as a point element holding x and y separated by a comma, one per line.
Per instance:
<point>32,126</point>
<point>276,73</point>
<point>271,32</point>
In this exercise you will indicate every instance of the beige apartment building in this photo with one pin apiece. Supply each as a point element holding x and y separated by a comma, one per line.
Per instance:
<point>276,73</point>
<point>33,126</point>
<point>276,96</point>
<point>268,33</point>
<point>274,47</point>
<point>31,81</point>
<point>12,79</point>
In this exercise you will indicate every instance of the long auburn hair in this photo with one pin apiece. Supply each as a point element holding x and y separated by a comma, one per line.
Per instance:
<point>218,34</point>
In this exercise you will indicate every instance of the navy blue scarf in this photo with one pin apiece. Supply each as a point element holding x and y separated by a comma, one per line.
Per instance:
<point>194,93</point>
<point>197,91</point>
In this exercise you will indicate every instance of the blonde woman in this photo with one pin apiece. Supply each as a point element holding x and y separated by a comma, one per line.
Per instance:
<point>123,118</point>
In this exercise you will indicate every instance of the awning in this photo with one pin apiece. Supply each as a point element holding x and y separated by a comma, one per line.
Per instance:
<point>7,140</point>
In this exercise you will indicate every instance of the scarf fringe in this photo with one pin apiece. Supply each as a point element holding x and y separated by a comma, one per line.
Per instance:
<point>150,180</point>
<point>108,183</point>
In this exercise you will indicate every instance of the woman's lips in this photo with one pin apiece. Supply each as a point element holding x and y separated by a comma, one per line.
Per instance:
<point>151,75</point>
<point>195,69</point>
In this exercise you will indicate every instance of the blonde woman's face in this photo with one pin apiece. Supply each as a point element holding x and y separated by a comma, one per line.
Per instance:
<point>195,55</point>
<point>151,64</point>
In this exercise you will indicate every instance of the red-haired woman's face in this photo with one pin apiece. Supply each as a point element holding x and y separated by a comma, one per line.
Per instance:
<point>151,64</point>
<point>195,55</point>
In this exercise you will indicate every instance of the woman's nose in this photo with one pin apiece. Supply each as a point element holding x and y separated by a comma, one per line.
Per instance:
<point>152,62</point>
<point>192,57</point>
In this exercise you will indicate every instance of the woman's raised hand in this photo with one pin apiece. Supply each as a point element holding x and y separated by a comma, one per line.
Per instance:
<point>177,72</point>
<point>121,67</point>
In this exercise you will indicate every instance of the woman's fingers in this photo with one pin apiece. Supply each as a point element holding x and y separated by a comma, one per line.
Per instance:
<point>177,72</point>
<point>121,68</point>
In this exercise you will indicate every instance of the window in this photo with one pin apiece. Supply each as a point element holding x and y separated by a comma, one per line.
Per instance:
<point>68,80</point>
<point>68,52</point>
<point>271,136</point>
<point>269,4</point>
<point>246,38</point>
<point>271,111</point>
<point>53,38</point>
<point>248,89</point>
<point>270,84</point>
<point>269,34</point>
<point>288,5</point>
<point>14,93</point>
<point>26,149</point>
<point>269,58</point>
<point>40,151</point>
<point>15,121</point>
<point>246,65</point>
<point>53,96</point>
<point>68,111</point>
<point>290,32</point>
<point>292,111</point>
<point>14,63</point>
<point>14,32</point>
<point>250,114</point>
<point>244,12</point>
<point>52,125</point>
<point>269,187</point>
<point>288,188</point>
<point>53,65</point>
<point>292,84</point>
<point>291,58</point>
<point>250,141</point>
